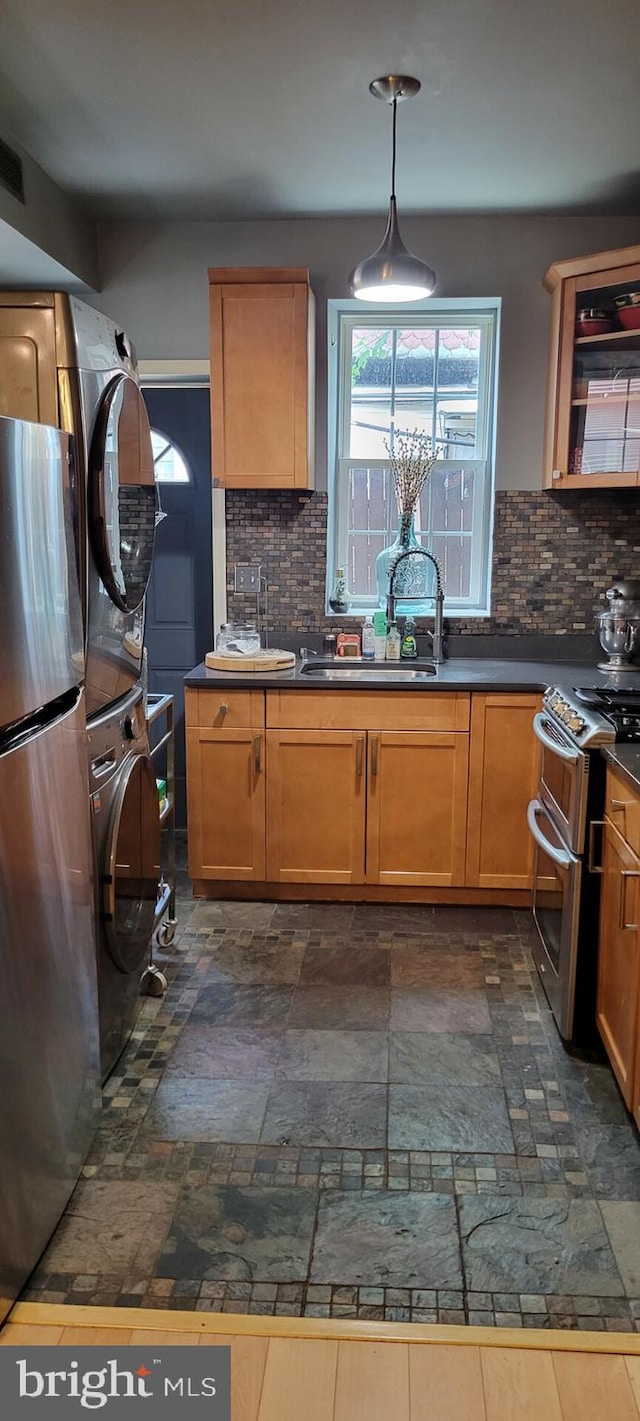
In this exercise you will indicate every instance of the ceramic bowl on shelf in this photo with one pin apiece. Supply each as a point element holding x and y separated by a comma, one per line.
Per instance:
<point>593,321</point>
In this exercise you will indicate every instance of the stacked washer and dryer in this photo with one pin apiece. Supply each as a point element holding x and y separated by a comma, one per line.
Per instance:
<point>64,363</point>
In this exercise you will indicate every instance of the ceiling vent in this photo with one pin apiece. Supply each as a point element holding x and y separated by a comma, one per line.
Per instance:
<point>11,175</point>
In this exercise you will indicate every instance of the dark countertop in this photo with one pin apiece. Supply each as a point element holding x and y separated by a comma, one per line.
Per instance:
<point>627,759</point>
<point>457,674</point>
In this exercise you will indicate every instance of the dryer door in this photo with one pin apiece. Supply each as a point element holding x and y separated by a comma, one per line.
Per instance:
<point>122,494</point>
<point>131,870</point>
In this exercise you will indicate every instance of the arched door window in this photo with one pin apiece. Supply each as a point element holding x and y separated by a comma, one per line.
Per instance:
<point>169,464</point>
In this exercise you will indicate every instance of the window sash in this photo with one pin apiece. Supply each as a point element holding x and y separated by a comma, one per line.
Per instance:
<point>478,536</point>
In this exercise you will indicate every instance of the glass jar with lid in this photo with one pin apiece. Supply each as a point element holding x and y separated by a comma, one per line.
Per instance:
<point>238,638</point>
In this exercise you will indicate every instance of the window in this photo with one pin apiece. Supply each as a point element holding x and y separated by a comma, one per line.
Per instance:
<point>168,463</point>
<point>430,367</point>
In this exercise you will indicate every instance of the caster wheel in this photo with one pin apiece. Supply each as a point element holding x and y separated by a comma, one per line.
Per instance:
<point>153,982</point>
<point>165,934</point>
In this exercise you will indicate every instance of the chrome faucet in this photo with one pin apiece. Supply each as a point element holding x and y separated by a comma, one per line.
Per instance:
<point>437,635</point>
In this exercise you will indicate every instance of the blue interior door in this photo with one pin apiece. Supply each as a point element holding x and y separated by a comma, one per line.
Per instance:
<point>179,621</point>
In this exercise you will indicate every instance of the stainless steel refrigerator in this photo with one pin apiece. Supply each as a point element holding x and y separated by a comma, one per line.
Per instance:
<point>49,1063</point>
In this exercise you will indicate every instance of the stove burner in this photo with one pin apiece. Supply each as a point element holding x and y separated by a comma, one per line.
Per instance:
<point>620,707</point>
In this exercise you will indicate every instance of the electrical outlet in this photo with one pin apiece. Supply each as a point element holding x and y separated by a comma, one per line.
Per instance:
<point>246,577</point>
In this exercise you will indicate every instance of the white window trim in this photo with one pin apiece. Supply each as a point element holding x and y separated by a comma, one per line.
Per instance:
<point>338,330</point>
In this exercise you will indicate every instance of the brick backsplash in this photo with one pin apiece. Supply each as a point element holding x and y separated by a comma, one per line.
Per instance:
<point>554,555</point>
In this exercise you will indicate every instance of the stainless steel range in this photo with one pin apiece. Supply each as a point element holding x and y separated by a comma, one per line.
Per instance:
<point>564,821</point>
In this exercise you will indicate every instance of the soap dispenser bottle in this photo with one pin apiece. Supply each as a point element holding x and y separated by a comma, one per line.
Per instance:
<point>393,643</point>
<point>409,648</point>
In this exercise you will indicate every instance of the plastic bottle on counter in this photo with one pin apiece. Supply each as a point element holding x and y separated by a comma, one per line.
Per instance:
<point>380,635</point>
<point>409,648</point>
<point>368,640</point>
<point>393,643</point>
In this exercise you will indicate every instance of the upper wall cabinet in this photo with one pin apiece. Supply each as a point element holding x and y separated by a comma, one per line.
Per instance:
<point>592,437</point>
<point>262,377</point>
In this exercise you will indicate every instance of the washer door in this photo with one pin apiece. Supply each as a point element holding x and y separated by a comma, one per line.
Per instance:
<point>122,494</point>
<point>132,866</point>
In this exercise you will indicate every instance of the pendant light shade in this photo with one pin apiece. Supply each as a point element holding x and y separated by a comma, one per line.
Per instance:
<point>392,273</point>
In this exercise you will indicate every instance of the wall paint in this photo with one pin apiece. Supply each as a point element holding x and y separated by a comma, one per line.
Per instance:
<point>154,283</point>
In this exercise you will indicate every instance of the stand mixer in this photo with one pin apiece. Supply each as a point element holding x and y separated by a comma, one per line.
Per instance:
<point>618,627</point>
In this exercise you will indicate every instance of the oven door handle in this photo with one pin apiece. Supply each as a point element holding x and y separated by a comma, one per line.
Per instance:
<point>559,856</point>
<point>571,756</point>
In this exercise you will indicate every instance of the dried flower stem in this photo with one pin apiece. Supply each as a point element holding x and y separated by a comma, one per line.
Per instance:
<point>412,459</point>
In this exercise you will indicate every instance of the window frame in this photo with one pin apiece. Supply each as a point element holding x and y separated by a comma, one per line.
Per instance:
<point>343,315</point>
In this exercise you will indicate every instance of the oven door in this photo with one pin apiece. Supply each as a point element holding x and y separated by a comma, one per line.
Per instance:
<point>564,777</point>
<point>557,883</point>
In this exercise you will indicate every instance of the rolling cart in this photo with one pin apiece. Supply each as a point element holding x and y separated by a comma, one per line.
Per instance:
<point>160,708</point>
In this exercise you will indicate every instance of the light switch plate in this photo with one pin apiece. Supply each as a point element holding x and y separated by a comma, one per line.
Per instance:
<point>246,577</point>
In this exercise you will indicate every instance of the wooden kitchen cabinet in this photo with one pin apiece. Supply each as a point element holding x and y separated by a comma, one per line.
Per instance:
<point>262,326</point>
<point>28,375</point>
<point>617,1012</point>
<point>225,785</point>
<point>503,778</point>
<point>316,806</point>
<point>593,400</point>
<point>382,791</point>
<point>417,808</point>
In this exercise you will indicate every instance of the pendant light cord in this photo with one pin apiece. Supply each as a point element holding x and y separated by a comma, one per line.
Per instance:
<point>393,151</point>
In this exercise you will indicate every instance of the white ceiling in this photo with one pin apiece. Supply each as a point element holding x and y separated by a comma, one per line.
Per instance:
<point>189,109</point>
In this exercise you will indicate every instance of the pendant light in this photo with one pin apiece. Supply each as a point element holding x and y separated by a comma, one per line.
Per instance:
<point>392,273</point>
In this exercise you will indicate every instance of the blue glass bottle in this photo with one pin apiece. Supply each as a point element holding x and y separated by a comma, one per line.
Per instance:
<point>416,577</point>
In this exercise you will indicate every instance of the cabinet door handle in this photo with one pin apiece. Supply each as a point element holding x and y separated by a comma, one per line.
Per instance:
<point>359,756</point>
<point>374,754</point>
<point>626,873</point>
<point>620,803</point>
<point>257,754</point>
<point>591,866</point>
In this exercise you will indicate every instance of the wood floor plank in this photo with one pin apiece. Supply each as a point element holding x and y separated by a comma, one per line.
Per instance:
<point>372,1381</point>
<point>446,1382</point>
<point>148,1337</point>
<point>299,1380</point>
<point>18,1334</point>
<point>591,1387</point>
<point>95,1336</point>
<point>633,1372</point>
<point>519,1386</point>
<point>248,1359</point>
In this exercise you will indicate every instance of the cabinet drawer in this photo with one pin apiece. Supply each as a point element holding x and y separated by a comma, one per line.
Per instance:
<point>368,710</point>
<point>220,709</point>
<point>623,808</point>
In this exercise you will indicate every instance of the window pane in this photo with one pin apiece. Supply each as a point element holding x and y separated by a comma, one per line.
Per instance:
<point>370,419</point>
<point>454,556</point>
<point>369,500</point>
<point>447,506</point>
<point>415,372</point>
<point>361,562</point>
<point>169,465</point>
<point>457,392</point>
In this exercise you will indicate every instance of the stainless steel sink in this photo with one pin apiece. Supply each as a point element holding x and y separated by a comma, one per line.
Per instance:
<point>382,670</point>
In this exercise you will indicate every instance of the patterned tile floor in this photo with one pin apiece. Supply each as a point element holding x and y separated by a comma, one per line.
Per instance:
<point>356,1112</point>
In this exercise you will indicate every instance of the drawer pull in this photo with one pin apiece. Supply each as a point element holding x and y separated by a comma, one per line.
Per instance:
<point>620,803</point>
<point>223,710</point>
<point>626,873</point>
<point>257,754</point>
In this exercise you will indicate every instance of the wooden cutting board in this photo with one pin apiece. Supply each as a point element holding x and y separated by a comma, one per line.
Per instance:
<point>267,659</point>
